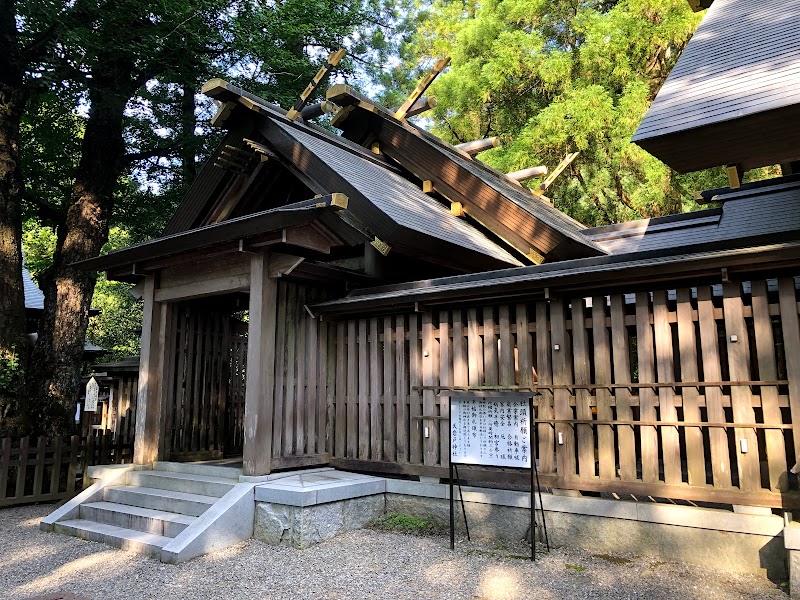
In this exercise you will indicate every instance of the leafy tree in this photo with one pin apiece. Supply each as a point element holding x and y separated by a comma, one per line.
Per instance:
<point>118,86</point>
<point>554,76</point>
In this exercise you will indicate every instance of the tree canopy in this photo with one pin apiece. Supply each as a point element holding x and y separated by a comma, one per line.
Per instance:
<point>551,77</point>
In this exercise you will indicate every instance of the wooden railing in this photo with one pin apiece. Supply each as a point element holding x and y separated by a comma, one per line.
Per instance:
<point>685,393</point>
<point>42,470</point>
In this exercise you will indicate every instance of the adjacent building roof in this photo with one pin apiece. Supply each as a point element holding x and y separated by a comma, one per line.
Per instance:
<point>769,213</point>
<point>34,297</point>
<point>734,95</point>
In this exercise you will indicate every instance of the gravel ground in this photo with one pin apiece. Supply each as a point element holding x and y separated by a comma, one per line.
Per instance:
<point>360,564</point>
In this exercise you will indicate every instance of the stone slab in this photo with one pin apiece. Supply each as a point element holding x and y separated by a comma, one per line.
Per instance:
<point>310,489</point>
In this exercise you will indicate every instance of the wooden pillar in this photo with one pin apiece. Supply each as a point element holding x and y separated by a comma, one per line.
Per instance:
<point>259,390</point>
<point>151,365</point>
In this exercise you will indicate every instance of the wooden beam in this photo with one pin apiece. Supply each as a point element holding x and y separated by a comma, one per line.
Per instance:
<point>151,364</point>
<point>477,146</point>
<point>223,112</point>
<point>260,389</point>
<point>735,175</point>
<point>526,174</point>
<point>438,67</point>
<point>565,162</point>
<point>283,264</point>
<point>332,61</point>
<point>204,287</point>
<point>317,110</point>
<point>423,104</point>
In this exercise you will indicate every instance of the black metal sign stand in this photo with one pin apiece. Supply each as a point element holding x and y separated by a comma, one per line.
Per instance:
<point>536,490</point>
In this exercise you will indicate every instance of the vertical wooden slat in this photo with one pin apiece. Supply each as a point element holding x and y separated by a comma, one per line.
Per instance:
<point>544,374</point>
<point>582,370</point>
<point>5,461</point>
<point>188,380</point>
<point>38,471</point>
<point>739,365</point>
<point>562,374</point>
<point>490,372</point>
<point>665,367</point>
<point>300,385</point>
<point>331,391</point>
<point>280,369</point>
<point>55,473</point>
<point>415,380</point>
<point>402,380</point>
<point>197,376</point>
<point>791,342</point>
<point>375,368</point>
<point>22,467</point>
<point>340,422</point>
<point>621,354</point>
<point>352,389</point>
<point>74,449</point>
<point>474,348</point>
<point>687,344</point>
<point>767,371</point>
<point>460,356</point>
<point>709,343</point>
<point>429,377</point>
<point>313,356</point>
<point>524,347</point>
<point>363,391</point>
<point>507,366</point>
<point>647,396</point>
<point>325,356</point>
<point>169,379</point>
<point>602,375</point>
<point>289,408</point>
<point>391,398</point>
<point>446,379</point>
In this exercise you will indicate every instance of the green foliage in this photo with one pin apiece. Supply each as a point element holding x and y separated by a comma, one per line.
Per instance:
<point>554,76</point>
<point>10,373</point>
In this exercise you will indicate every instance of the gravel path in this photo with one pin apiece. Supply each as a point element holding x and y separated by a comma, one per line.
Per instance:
<point>361,564</point>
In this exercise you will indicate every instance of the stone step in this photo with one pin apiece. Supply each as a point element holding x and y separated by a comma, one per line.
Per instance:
<point>120,537</point>
<point>167,524</point>
<point>160,499</point>
<point>188,483</point>
<point>198,469</point>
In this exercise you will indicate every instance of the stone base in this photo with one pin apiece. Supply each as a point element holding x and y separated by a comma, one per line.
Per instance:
<point>303,526</point>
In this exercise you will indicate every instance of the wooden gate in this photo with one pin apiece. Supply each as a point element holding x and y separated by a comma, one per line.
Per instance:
<point>197,398</point>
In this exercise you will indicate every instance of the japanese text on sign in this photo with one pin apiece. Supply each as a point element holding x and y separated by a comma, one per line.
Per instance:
<point>490,431</point>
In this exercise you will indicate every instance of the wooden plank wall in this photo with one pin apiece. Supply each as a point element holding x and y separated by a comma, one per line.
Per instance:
<point>306,361</point>
<point>623,358</point>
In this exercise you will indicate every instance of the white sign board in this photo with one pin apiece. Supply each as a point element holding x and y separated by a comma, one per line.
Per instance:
<point>491,431</point>
<point>92,393</point>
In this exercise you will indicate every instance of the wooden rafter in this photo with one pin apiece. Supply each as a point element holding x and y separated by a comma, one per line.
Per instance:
<point>332,61</point>
<point>440,66</point>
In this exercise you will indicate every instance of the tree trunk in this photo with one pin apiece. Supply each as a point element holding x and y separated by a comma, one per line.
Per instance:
<point>57,357</point>
<point>188,125</point>
<point>12,104</point>
<point>12,299</point>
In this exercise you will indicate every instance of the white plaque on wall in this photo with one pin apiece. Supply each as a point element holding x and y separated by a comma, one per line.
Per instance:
<point>92,394</point>
<point>492,431</point>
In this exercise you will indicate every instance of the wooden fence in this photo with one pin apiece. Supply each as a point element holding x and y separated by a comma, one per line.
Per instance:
<point>683,393</point>
<point>45,470</point>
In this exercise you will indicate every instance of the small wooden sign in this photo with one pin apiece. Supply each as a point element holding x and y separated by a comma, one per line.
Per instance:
<point>92,394</point>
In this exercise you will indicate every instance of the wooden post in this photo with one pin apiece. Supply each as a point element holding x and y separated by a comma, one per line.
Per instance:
<point>151,364</point>
<point>259,390</point>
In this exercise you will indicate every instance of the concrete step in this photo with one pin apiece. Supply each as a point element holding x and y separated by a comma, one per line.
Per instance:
<point>160,499</point>
<point>188,483</point>
<point>198,469</point>
<point>167,524</point>
<point>127,539</point>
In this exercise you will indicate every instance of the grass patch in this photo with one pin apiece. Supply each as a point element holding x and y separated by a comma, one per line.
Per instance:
<point>501,554</point>
<point>400,523</point>
<point>577,568</point>
<point>617,560</point>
